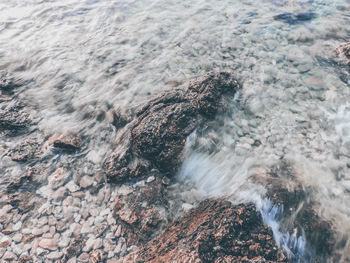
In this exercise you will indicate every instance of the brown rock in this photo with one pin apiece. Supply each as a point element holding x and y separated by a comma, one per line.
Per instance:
<point>156,137</point>
<point>96,256</point>
<point>69,141</point>
<point>74,249</point>
<point>216,231</point>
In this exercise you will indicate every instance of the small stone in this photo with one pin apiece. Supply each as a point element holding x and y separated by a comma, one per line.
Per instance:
<point>150,179</point>
<point>59,194</point>
<point>60,226</point>
<point>63,242</point>
<point>58,178</point>
<point>85,228</point>
<point>69,141</point>
<point>40,251</point>
<point>27,238</point>
<point>17,237</point>
<point>84,257</point>
<point>37,231</point>
<point>9,256</point>
<point>119,231</point>
<point>55,255</point>
<point>86,181</point>
<point>5,242</point>
<point>105,212</point>
<point>49,244</point>
<point>96,256</point>
<point>72,187</point>
<point>42,221</point>
<point>124,190</point>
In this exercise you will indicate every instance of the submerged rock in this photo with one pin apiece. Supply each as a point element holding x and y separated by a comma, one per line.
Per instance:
<point>293,19</point>
<point>298,215</point>
<point>344,52</point>
<point>14,117</point>
<point>69,141</point>
<point>216,231</point>
<point>157,135</point>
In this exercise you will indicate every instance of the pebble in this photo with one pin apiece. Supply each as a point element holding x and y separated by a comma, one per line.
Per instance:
<point>37,231</point>
<point>59,194</point>
<point>55,255</point>
<point>119,231</point>
<point>47,243</point>
<point>63,242</point>
<point>17,237</point>
<point>40,251</point>
<point>150,179</point>
<point>72,187</point>
<point>57,178</point>
<point>60,226</point>
<point>124,190</point>
<point>84,257</point>
<point>85,228</point>
<point>9,256</point>
<point>86,181</point>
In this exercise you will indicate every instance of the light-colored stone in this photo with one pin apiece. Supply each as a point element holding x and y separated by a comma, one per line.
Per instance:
<point>85,228</point>
<point>40,251</point>
<point>150,179</point>
<point>72,260</point>
<point>86,181</point>
<point>72,187</point>
<point>59,194</point>
<point>84,257</point>
<point>105,212</point>
<point>47,243</point>
<point>63,242</point>
<point>119,231</point>
<point>124,190</point>
<point>55,255</point>
<point>9,256</point>
<point>42,221</point>
<point>57,178</point>
<point>37,231</point>
<point>17,237</point>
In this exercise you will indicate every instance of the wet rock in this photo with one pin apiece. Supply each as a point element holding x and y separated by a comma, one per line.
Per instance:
<point>97,256</point>
<point>344,52</point>
<point>299,214</point>
<point>58,178</point>
<point>213,232</point>
<point>74,248</point>
<point>292,19</point>
<point>14,118</point>
<point>27,150</point>
<point>157,135</point>
<point>69,141</point>
<point>142,214</point>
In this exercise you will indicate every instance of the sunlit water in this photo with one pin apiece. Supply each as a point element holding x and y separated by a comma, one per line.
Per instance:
<point>81,58</point>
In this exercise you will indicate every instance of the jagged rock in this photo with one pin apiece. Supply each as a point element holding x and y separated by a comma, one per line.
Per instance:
<point>27,150</point>
<point>74,248</point>
<point>344,52</point>
<point>299,214</point>
<point>69,141</point>
<point>157,135</point>
<point>14,117</point>
<point>142,213</point>
<point>216,231</point>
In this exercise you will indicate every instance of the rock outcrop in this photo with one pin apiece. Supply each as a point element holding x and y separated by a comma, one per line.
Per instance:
<point>216,231</point>
<point>157,135</point>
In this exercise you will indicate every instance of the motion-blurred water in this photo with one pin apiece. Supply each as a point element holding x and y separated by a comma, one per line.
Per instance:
<point>82,58</point>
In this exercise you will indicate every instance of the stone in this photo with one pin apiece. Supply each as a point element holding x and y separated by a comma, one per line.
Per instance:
<point>72,187</point>
<point>63,242</point>
<point>58,178</point>
<point>86,181</point>
<point>157,135</point>
<point>55,255</point>
<point>69,141</point>
<point>97,256</point>
<point>9,256</point>
<point>84,257</point>
<point>17,237</point>
<point>37,231</point>
<point>214,230</point>
<point>49,244</point>
<point>60,226</point>
<point>344,52</point>
<point>59,194</point>
<point>74,248</point>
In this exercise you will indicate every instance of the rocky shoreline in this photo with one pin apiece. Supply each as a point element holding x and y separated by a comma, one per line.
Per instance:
<point>127,212</point>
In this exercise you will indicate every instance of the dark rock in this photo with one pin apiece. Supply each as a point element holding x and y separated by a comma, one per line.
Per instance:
<point>142,213</point>
<point>73,249</point>
<point>23,201</point>
<point>293,19</point>
<point>216,231</point>
<point>8,83</point>
<point>157,135</point>
<point>344,52</point>
<point>14,118</point>
<point>298,211</point>
<point>29,149</point>
<point>69,141</point>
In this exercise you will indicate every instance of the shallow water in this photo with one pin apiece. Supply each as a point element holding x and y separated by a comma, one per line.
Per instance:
<point>82,58</point>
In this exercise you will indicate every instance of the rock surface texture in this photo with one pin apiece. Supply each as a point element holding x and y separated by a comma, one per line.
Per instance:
<point>157,135</point>
<point>216,231</point>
